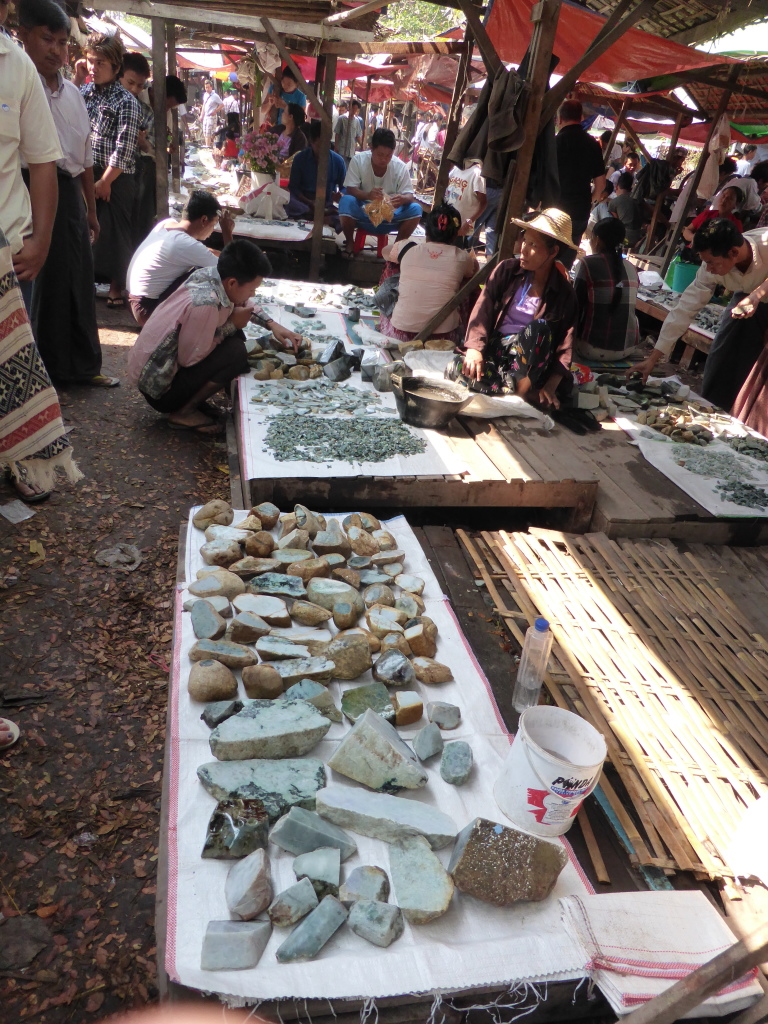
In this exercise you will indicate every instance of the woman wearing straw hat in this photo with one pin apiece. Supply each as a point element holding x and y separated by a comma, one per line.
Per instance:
<point>520,333</point>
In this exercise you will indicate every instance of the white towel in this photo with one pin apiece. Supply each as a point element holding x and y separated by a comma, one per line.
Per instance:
<point>637,944</point>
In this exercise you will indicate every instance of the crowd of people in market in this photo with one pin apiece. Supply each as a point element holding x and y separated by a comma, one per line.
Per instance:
<point>80,189</point>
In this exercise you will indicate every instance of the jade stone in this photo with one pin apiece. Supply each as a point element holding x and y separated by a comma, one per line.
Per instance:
<point>446,716</point>
<point>237,828</point>
<point>292,904</point>
<point>219,711</point>
<point>365,883</point>
<point>246,627</point>
<point>287,556</point>
<point>309,937</point>
<point>378,923</point>
<point>292,670</point>
<point>327,592</point>
<point>373,753</point>
<point>423,888</point>
<point>279,785</point>
<point>358,562</point>
<point>274,728</point>
<point>456,762</point>
<point>317,694</point>
<point>334,559</point>
<point>229,654</point>
<point>248,888</point>
<point>301,831</point>
<point>373,696</point>
<point>218,602</point>
<point>428,742</point>
<point>386,817</point>
<point>234,945</point>
<point>322,867</point>
<point>277,584</point>
<point>371,576</point>
<point>394,669</point>
<point>278,648</point>
<point>207,624</point>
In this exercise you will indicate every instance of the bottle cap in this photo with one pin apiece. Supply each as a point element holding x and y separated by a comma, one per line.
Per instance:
<point>541,625</point>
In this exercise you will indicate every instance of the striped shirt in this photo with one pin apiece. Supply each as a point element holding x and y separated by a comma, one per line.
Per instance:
<point>116,118</point>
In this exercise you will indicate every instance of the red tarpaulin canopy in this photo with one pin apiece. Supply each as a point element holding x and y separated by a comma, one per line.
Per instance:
<point>693,133</point>
<point>348,69</point>
<point>636,55</point>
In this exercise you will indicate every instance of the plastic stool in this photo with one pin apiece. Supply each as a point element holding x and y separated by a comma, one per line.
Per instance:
<point>360,236</point>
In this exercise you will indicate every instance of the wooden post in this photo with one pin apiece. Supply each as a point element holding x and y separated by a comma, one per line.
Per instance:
<point>688,993</point>
<point>175,150</point>
<point>491,59</point>
<point>291,63</point>
<point>323,159</point>
<point>455,301</point>
<point>348,132</point>
<point>454,117</point>
<point>733,78</point>
<point>366,109</point>
<point>635,138</point>
<point>660,199</point>
<point>542,40</point>
<point>161,132</point>
<point>616,129</point>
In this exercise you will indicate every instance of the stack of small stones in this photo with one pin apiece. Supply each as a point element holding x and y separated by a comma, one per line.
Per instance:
<point>288,603</point>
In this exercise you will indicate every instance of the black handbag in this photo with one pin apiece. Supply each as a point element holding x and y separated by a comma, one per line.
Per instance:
<point>388,292</point>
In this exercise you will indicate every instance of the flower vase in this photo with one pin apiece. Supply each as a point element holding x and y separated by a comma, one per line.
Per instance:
<point>258,179</point>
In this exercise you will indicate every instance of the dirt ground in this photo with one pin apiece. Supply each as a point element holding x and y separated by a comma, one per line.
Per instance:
<point>84,655</point>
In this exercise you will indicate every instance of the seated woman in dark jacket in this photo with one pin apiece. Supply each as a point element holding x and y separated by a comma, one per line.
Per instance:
<point>520,334</point>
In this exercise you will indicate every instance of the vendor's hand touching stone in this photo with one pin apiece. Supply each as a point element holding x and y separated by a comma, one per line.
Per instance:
<point>646,366</point>
<point>290,339</point>
<point>473,364</point>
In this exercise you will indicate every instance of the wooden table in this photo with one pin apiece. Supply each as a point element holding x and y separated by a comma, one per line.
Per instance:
<point>695,339</point>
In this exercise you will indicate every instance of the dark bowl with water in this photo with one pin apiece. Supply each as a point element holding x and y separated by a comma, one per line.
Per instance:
<point>422,402</point>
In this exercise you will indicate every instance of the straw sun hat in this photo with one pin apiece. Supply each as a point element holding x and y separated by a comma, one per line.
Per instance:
<point>554,223</point>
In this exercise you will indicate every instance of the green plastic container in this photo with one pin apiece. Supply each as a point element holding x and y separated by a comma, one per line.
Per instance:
<point>682,276</point>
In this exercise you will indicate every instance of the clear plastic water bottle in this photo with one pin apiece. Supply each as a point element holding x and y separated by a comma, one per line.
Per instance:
<point>533,665</point>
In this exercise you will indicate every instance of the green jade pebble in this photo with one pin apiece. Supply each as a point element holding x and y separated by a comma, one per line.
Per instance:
<point>309,937</point>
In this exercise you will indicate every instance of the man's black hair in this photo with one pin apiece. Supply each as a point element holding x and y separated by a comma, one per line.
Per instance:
<point>383,137</point>
<point>605,136</point>
<point>315,129</point>
<point>244,261</point>
<point>175,89</point>
<point>718,236</point>
<point>138,63</point>
<point>355,103</point>
<point>608,187</point>
<point>42,13</point>
<point>632,154</point>
<point>287,73</point>
<point>298,113</point>
<point>728,166</point>
<point>625,181</point>
<point>202,204</point>
<point>760,171</point>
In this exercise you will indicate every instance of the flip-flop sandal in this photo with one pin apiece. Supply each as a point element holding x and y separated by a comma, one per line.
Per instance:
<point>28,499</point>
<point>15,733</point>
<point>113,303</point>
<point>347,254</point>
<point>102,381</point>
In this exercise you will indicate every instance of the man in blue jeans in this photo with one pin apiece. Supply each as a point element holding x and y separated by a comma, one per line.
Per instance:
<point>371,175</point>
<point>487,219</point>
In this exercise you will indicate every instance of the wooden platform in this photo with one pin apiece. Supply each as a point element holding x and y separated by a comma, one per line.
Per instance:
<point>502,475</point>
<point>694,339</point>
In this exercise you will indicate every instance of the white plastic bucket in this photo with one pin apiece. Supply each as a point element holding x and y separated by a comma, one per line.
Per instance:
<point>554,762</point>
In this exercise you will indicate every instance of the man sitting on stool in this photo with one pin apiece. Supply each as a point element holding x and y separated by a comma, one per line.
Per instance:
<point>372,175</point>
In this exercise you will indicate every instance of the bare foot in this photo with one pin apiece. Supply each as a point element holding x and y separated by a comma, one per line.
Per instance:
<point>189,420</point>
<point>30,492</point>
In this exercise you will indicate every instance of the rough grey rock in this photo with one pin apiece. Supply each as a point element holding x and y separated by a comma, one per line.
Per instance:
<point>394,669</point>
<point>309,937</point>
<point>219,711</point>
<point>280,785</point>
<point>293,670</point>
<point>428,742</point>
<point>365,883</point>
<point>386,817</point>
<point>309,614</point>
<point>322,867</point>
<point>423,888</point>
<point>272,610</point>
<point>237,828</point>
<point>209,680</point>
<point>218,602</point>
<point>278,648</point>
<point>327,592</point>
<point>245,628</point>
<point>332,540</point>
<point>234,945</point>
<point>456,762</point>
<point>301,831</point>
<point>373,753</point>
<point>276,728</point>
<point>248,889</point>
<point>446,716</point>
<point>292,904</point>
<point>277,584</point>
<point>207,624</point>
<point>351,655</point>
<point>215,511</point>
<point>220,552</point>
<point>378,923</point>
<point>208,586</point>
<point>317,694</point>
<point>501,865</point>
<point>229,654</point>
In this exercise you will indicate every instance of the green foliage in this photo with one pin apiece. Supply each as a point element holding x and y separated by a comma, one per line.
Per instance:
<point>416,19</point>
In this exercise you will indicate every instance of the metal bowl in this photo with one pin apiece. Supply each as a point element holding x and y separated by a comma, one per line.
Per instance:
<point>423,402</point>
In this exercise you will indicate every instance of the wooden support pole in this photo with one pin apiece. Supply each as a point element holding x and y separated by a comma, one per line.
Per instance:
<point>733,78</point>
<point>453,303</point>
<point>291,63</point>
<point>161,132</point>
<point>635,138</point>
<point>688,993</point>
<point>542,41</point>
<point>612,30</point>
<point>348,133</point>
<point>354,12</point>
<point>366,110</point>
<point>676,131</point>
<point>615,133</point>
<point>454,118</point>
<point>175,145</point>
<point>323,159</point>
<point>491,59</point>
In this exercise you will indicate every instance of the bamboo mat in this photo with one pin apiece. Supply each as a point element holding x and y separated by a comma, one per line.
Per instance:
<point>657,656</point>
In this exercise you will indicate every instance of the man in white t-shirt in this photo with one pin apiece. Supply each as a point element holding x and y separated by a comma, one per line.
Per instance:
<point>371,175</point>
<point>172,250</point>
<point>466,191</point>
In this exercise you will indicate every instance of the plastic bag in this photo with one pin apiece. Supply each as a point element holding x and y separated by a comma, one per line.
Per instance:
<point>380,210</point>
<point>267,202</point>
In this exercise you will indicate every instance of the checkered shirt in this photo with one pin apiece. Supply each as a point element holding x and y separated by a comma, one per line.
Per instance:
<point>116,118</point>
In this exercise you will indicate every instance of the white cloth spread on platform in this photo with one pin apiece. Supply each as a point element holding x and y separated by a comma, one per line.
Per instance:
<point>474,944</point>
<point>639,943</point>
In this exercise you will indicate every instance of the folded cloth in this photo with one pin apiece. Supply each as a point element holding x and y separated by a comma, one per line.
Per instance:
<point>638,944</point>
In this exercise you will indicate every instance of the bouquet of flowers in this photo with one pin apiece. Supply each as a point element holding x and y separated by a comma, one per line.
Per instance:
<point>260,152</point>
